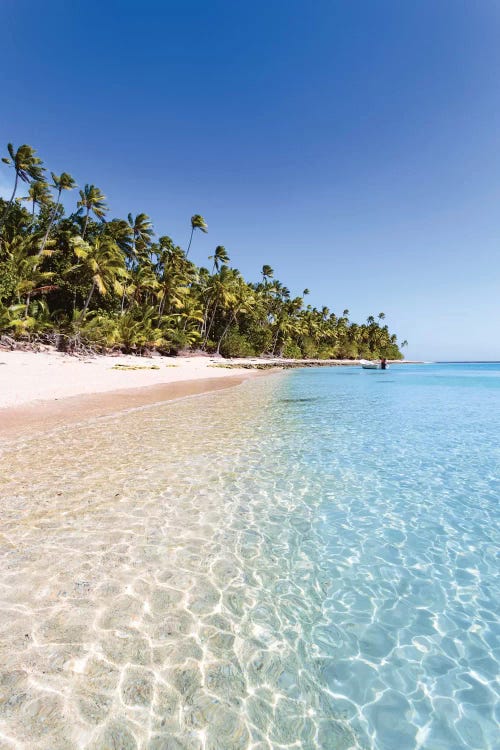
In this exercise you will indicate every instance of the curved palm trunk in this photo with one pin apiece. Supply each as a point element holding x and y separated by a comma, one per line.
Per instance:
<point>226,329</point>
<point>211,323</point>
<point>163,302</point>
<point>205,319</point>
<point>275,343</point>
<point>85,225</point>
<point>190,240</point>
<point>46,237</point>
<point>87,302</point>
<point>11,201</point>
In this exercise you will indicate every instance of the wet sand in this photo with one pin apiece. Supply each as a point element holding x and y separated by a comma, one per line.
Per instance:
<point>40,416</point>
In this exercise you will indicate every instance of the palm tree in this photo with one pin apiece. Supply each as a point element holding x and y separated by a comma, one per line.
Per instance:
<point>92,200</point>
<point>381,316</point>
<point>121,232</point>
<point>38,193</point>
<point>197,222</point>
<point>221,295</point>
<point>27,167</point>
<point>305,292</point>
<point>267,273</point>
<point>241,299</point>
<point>144,284</point>
<point>104,260</point>
<point>62,182</point>
<point>220,257</point>
<point>285,292</point>
<point>22,265</point>
<point>142,231</point>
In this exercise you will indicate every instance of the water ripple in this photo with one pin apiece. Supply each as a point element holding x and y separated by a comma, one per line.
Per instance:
<point>226,573</point>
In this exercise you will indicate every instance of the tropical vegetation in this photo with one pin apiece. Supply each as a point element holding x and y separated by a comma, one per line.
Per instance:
<point>83,280</point>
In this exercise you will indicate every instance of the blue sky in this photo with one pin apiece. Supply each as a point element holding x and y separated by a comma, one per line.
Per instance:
<point>353,146</point>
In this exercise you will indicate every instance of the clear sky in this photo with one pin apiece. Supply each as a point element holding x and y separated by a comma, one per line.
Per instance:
<point>352,145</point>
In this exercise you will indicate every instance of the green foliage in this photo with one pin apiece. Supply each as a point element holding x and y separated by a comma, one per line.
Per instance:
<point>291,350</point>
<point>84,281</point>
<point>236,345</point>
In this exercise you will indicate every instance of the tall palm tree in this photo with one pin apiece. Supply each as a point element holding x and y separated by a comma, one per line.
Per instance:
<point>197,222</point>
<point>62,182</point>
<point>381,316</point>
<point>220,257</point>
<point>27,167</point>
<point>92,200</point>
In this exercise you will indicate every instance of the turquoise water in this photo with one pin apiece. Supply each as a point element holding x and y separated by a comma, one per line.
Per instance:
<point>309,560</point>
<point>408,515</point>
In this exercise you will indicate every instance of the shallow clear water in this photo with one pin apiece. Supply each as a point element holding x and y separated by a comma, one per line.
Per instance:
<point>306,561</point>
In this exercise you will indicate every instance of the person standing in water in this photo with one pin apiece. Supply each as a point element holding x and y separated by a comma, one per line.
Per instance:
<point>383,363</point>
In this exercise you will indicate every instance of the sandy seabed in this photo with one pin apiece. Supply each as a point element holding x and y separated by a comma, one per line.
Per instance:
<point>134,584</point>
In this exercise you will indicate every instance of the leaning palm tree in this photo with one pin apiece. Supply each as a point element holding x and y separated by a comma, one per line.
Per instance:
<point>27,168</point>
<point>220,257</point>
<point>197,222</point>
<point>62,182</point>
<point>92,200</point>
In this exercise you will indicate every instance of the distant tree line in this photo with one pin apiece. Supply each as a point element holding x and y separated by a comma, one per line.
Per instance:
<point>84,280</point>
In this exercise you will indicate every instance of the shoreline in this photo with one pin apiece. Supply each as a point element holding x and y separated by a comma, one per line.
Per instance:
<point>48,375</point>
<point>43,416</point>
<point>40,391</point>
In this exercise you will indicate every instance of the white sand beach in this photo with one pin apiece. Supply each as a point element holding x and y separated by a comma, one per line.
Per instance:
<point>26,376</point>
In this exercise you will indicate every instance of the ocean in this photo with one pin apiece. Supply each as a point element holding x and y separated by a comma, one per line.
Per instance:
<point>309,560</point>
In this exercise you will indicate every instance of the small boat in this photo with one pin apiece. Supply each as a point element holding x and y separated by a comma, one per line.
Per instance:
<point>367,365</point>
